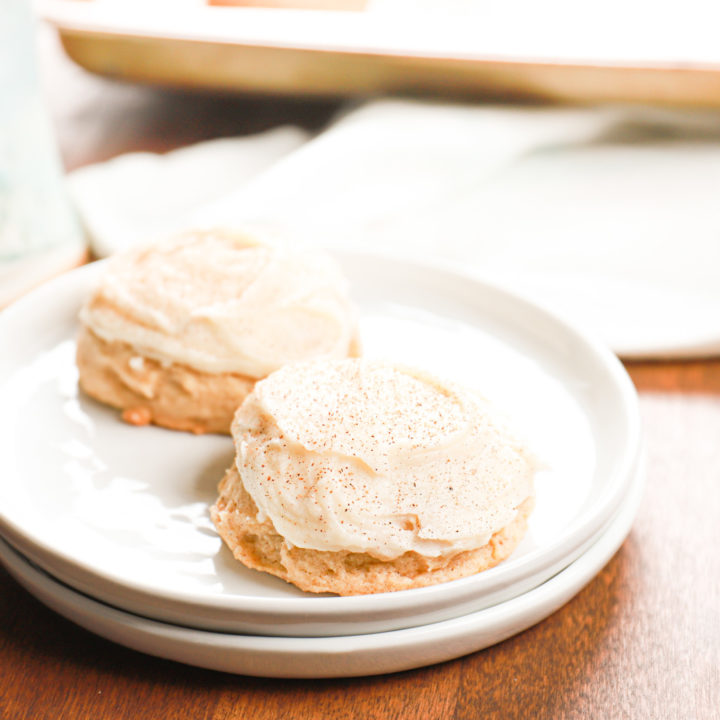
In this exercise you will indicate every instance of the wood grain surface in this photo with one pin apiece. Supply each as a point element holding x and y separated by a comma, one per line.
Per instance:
<point>642,640</point>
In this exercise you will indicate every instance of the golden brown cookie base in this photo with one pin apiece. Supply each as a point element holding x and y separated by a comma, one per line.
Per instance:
<point>257,545</point>
<point>174,396</point>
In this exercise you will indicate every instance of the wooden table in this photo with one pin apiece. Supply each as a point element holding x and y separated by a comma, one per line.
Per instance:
<point>642,640</point>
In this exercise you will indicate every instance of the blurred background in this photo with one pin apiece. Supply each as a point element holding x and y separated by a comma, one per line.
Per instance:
<point>570,152</point>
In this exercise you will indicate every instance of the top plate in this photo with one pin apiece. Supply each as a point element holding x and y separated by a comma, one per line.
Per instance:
<point>557,50</point>
<point>121,512</point>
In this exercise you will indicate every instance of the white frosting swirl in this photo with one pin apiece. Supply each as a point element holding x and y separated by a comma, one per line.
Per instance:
<point>223,303</point>
<point>370,457</point>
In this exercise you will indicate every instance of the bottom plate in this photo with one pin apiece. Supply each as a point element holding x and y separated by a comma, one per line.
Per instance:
<point>295,657</point>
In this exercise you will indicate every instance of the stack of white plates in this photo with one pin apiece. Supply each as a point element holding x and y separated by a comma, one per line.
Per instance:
<point>108,524</point>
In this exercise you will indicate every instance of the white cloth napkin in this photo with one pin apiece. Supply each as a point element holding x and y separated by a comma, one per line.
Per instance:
<point>138,196</point>
<point>607,215</point>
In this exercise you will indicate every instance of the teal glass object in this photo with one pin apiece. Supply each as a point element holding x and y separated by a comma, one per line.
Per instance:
<point>36,217</point>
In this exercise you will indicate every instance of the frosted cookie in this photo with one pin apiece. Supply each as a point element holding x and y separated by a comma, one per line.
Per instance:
<point>357,477</point>
<point>178,332</point>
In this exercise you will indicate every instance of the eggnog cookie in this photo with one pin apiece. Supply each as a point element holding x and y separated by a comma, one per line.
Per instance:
<point>357,477</point>
<point>178,332</point>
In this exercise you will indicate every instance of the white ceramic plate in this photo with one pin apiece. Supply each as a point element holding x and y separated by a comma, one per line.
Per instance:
<point>371,654</point>
<point>121,513</point>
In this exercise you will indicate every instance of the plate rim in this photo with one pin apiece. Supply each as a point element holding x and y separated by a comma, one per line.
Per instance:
<point>339,607</point>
